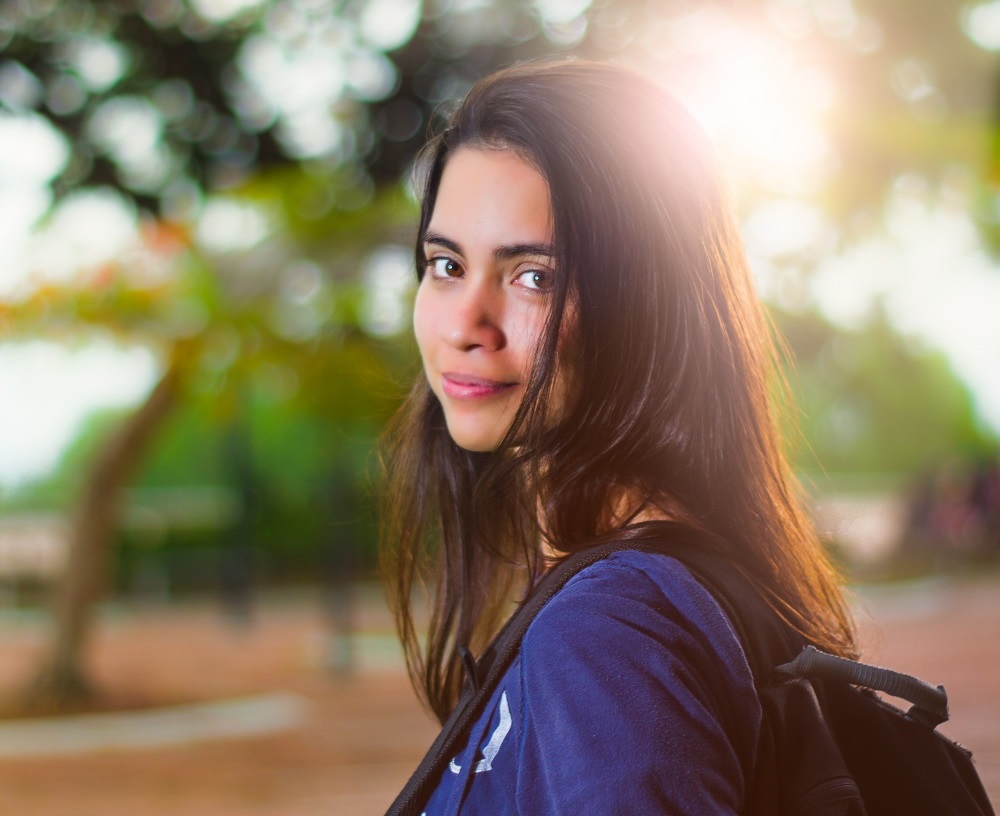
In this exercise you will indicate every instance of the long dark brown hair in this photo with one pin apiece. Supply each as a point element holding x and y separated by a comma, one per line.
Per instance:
<point>673,379</point>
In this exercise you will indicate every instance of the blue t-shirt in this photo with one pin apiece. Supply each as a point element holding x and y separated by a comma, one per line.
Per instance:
<point>630,695</point>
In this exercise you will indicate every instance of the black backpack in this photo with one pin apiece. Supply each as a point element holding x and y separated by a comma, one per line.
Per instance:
<point>828,745</point>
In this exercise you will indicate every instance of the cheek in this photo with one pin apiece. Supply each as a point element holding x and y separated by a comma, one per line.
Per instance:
<point>525,332</point>
<point>524,327</point>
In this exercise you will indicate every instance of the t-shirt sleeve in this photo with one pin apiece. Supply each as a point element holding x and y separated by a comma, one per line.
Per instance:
<point>634,701</point>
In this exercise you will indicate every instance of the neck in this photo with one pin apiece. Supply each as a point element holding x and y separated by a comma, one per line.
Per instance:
<point>630,507</point>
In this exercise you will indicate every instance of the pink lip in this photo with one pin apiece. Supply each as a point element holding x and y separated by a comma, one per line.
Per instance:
<point>465,386</point>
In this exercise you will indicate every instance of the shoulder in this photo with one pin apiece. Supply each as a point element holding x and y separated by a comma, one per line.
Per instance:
<point>633,668</point>
<point>640,591</point>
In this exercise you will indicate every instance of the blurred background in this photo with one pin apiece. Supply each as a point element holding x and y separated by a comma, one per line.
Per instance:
<point>206,216</point>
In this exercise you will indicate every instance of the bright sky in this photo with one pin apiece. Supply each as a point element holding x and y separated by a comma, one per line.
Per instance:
<point>763,102</point>
<point>937,284</point>
<point>46,390</point>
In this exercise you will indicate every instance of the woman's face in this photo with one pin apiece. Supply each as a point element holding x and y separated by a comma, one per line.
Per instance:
<point>485,294</point>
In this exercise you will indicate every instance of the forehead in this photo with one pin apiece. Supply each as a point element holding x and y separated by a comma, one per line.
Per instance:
<point>492,198</point>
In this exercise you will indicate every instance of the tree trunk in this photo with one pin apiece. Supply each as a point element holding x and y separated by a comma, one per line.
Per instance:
<point>62,684</point>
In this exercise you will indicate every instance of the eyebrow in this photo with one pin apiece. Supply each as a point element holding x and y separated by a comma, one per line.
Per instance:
<point>501,253</point>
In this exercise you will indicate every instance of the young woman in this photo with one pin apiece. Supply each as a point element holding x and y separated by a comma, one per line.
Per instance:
<point>595,364</point>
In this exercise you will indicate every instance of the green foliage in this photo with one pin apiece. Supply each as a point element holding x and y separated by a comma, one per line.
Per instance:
<point>871,401</point>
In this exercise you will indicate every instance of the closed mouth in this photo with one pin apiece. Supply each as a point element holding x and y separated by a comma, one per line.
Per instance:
<point>468,379</point>
<point>467,386</point>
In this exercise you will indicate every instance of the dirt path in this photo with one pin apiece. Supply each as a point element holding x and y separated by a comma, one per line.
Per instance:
<point>362,735</point>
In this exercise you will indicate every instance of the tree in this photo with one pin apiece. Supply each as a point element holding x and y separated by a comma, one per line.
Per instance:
<point>242,326</point>
<point>60,682</point>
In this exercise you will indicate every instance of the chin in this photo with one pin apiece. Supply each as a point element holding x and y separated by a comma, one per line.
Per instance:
<point>476,444</point>
<point>477,440</point>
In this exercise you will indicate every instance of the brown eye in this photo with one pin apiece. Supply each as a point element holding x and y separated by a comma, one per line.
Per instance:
<point>444,268</point>
<point>538,279</point>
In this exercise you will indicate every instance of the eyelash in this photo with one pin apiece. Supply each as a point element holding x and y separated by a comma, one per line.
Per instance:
<point>435,262</point>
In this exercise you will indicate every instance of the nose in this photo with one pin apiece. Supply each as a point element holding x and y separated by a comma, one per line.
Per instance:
<point>474,321</point>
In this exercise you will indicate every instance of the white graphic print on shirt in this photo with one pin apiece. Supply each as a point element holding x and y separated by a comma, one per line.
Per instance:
<point>493,746</point>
